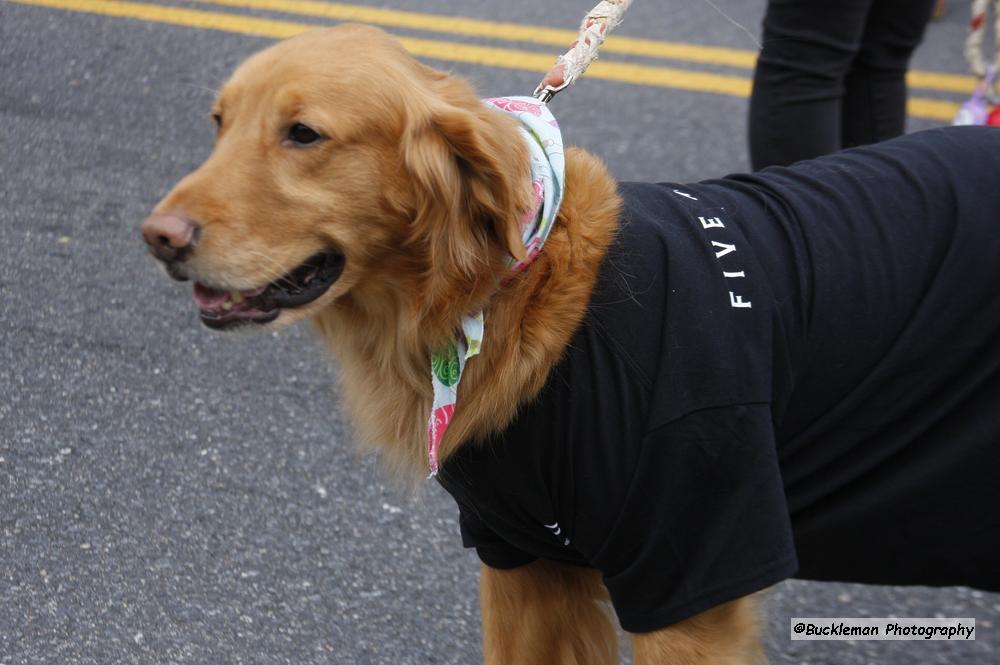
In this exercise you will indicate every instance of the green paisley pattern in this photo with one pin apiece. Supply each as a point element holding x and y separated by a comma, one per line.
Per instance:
<point>445,366</point>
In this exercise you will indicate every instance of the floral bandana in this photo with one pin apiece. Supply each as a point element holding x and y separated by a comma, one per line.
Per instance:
<point>541,132</point>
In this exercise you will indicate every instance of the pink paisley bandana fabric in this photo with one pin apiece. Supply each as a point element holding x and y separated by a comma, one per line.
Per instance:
<point>541,133</point>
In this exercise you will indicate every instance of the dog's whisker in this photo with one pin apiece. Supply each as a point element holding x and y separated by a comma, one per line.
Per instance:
<point>279,277</point>
<point>204,88</point>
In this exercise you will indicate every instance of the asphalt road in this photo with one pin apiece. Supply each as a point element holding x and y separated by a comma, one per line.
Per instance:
<point>169,495</point>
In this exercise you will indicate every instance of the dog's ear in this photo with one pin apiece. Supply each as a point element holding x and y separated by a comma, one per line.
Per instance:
<point>472,183</point>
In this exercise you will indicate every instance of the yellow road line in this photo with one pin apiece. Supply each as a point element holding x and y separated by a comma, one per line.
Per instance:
<point>931,109</point>
<point>665,77</point>
<point>517,32</point>
<point>191,18</point>
<point>537,34</point>
<point>941,81</point>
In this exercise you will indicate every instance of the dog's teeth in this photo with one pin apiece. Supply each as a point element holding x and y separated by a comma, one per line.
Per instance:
<point>227,305</point>
<point>236,296</point>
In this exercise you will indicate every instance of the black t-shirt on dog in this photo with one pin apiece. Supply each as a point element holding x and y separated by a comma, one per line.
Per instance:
<point>796,371</point>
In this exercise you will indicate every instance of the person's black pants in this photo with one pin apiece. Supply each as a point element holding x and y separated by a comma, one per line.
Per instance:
<point>831,75</point>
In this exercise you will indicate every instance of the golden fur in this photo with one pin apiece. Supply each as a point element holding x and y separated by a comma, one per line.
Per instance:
<point>422,188</point>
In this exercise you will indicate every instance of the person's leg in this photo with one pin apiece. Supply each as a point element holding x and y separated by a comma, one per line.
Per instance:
<point>795,108</point>
<point>874,107</point>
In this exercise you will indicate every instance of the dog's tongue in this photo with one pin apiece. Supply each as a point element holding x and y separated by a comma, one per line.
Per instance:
<point>208,298</point>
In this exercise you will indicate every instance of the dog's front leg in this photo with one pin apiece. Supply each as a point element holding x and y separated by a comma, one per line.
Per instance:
<point>723,635</point>
<point>546,613</point>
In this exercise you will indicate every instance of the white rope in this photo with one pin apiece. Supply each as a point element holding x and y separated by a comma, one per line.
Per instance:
<point>570,66</point>
<point>977,30</point>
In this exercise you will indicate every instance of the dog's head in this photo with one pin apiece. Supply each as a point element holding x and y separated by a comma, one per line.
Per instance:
<point>342,167</point>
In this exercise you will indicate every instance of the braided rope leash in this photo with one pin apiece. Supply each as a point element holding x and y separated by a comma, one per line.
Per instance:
<point>977,30</point>
<point>594,29</point>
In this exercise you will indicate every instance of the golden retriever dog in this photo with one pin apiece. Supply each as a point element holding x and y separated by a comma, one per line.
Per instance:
<point>382,200</point>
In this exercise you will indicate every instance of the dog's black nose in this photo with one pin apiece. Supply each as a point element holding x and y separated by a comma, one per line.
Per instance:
<point>170,237</point>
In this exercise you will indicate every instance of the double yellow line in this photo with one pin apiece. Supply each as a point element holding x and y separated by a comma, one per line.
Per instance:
<point>640,74</point>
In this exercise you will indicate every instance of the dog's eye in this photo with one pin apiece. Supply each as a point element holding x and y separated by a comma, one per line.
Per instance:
<point>302,135</point>
<point>217,117</point>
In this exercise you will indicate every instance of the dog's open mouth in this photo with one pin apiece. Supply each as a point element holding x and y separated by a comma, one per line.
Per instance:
<point>307,282</point>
